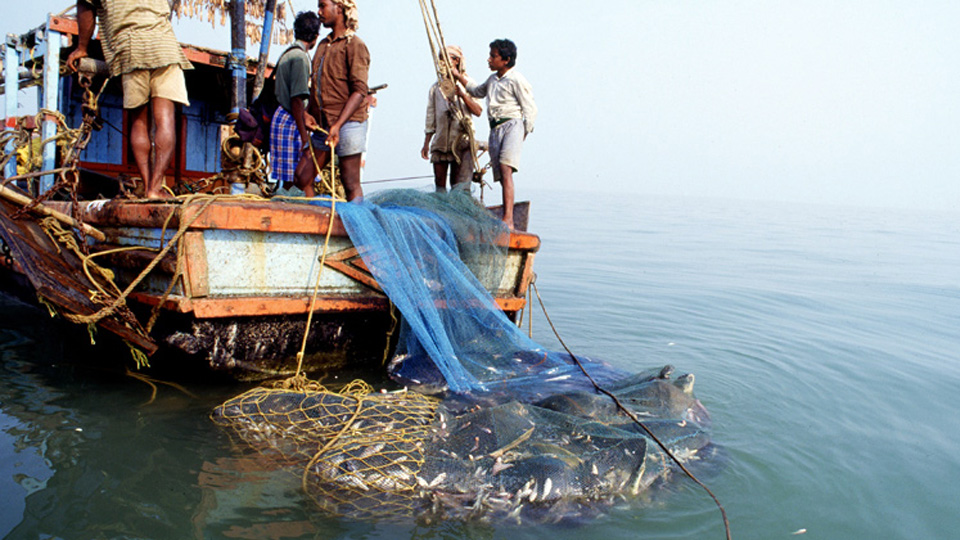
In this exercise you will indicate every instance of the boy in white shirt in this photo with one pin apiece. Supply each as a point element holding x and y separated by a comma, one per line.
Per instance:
<point>511,111</point>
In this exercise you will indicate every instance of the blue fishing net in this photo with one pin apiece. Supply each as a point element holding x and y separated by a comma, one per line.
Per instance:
<point>519,433</point>
<point>453,337</point>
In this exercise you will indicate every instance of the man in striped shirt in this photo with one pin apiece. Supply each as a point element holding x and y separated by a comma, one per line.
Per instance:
<point>140,47</point>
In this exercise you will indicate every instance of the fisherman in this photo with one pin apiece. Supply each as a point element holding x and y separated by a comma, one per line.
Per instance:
<point>339,99</point>
<point>288,129</point>
<point>511,111</point>
<point>139,45</point>
<point>450,146</point>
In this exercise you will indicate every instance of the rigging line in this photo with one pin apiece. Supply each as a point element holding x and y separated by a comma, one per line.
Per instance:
<point>381,181</point>
<point>723,512</point>
<point>433,47</point>
<point>445,75</point>
<point>113,127</point>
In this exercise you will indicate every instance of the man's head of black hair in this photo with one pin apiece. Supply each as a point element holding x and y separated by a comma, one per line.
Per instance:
<point>506,49</point>
<point>306,27</point>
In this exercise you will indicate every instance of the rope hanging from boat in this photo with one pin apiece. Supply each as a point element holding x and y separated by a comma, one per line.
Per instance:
<point>329,184</point>
<point>447,83</point>
<point>73,142</point>
<point>316,289</point>
<point>630,414</point>
<point>121,299</point>
<point>334,190</point>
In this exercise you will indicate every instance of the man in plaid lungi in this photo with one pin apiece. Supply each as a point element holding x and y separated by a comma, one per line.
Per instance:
<point>284,147</point>
<point>288,128</point>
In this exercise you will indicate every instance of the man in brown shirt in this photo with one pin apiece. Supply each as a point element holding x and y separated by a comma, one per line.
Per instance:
<point>139,45</point>
<point>338,101</point>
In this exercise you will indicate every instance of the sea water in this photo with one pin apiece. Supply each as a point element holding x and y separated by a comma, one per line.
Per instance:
<point>824,341</point>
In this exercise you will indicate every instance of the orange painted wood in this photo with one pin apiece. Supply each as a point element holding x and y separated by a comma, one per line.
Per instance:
<point>178,304</point>
<point>264,216</point>
<point>209,308</point>
<point>213,308</point>
<point>349,263</point>
<point>522,240</point>
<point>64,25</point>
<point>526,276</point>
<point>197,278</point>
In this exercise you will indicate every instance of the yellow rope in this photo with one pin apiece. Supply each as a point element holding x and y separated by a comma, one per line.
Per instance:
<point>329,184</point>
<point>152,383</point>
<point>331,442</point>
<point>52,309</point>
<point>323,254</point>
<point>53,229</point>
<point>109,310</point>
<point>139,357</point>
<point>316,287</point>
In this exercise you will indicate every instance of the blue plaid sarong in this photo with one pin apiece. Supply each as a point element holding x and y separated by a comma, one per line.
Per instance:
<point>284,146</point>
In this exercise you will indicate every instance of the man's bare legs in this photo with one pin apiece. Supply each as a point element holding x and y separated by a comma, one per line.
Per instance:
<point>164,143</point>
<point>306,172</point>
<point>440,176</point>
<point>350,175</point>
<point>140,143</point>
<point>506,181</point>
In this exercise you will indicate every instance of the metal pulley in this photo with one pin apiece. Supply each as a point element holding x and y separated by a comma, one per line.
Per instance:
<point>89,68</point>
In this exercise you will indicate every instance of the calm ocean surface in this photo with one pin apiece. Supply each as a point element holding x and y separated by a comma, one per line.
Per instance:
<point>825,342</point>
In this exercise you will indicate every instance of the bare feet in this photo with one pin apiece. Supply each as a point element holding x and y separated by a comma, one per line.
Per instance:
<point>160,195</point>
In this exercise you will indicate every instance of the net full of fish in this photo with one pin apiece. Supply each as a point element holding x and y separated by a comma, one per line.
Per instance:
<point>568,456</point>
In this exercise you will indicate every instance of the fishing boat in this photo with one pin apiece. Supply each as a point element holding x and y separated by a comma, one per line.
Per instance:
<point>225,285</point>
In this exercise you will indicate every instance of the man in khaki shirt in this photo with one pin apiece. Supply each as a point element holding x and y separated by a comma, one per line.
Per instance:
<point>140,47</point>
<point>447,141</point>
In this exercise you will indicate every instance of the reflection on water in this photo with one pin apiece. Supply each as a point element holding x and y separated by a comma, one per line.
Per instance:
<point>85,454</point>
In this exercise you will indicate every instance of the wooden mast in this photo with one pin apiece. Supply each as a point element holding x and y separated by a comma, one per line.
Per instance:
<point>269,9</point>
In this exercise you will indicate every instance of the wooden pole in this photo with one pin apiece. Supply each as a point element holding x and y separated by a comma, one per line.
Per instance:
<point>22,200</point>
<point>269,9</point>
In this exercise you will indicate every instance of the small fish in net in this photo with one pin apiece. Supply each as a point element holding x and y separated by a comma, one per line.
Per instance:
<point>404,455</point>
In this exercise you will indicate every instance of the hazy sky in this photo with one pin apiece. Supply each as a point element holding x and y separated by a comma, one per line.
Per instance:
<point>849,102</point>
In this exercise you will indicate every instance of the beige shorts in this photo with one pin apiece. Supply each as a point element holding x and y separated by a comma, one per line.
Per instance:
<point>165,82</point>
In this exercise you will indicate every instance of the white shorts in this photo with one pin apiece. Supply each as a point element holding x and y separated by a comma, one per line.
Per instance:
<point>506,142</point>
<point>353,139</point>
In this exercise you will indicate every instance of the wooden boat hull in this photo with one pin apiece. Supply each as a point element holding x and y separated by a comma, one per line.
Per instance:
<point>248,269</point>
